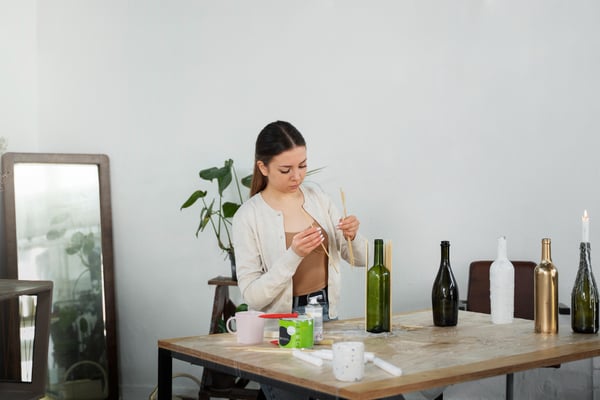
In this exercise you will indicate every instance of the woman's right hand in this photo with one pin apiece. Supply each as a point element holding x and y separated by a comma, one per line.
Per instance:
<point>306,241</point>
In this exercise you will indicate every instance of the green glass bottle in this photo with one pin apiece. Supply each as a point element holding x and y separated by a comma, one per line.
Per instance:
<point>444,294</point>
<point>378,293</point>
<point>584,297</point>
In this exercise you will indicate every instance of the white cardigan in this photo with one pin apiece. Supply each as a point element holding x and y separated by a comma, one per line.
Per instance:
<point>263,264</point>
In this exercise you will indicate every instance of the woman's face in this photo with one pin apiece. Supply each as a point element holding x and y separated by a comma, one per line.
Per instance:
<point>286,171</point>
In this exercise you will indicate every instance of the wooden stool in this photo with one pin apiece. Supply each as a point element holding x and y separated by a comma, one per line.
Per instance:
<point>214,383</point>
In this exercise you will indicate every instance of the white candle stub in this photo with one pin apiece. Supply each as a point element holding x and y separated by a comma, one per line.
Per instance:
<point>387,367</point>
<point>585,227</point>
<point>307,357</point>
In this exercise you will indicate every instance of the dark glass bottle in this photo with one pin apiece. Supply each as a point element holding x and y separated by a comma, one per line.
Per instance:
<point>444,295</point>
<point>545,292</point>
<point>378,293</point>
<point>584,297</point>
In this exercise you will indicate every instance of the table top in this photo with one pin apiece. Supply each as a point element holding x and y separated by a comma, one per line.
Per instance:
<point>10,288</point>
<point>429,356</point>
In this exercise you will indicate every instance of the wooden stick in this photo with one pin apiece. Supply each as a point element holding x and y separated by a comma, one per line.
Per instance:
<point>322,245</point>
<point>348,239</point>
<point>388,265</point>
<point>366,277</point>
<point>325,250</point>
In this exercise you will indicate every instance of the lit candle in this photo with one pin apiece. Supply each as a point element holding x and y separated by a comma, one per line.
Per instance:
<point>585,227</point>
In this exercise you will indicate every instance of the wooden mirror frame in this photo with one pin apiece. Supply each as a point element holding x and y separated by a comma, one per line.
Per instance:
<point>102,162</point>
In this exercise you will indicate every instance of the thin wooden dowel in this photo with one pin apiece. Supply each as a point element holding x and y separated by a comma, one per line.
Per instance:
<point>322,245</point>
<point>388,265</point>
<point>366,277</point>
<point>351,251</point>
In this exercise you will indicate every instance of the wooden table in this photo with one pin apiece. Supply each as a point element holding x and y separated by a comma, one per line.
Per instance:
<point>429,356</point>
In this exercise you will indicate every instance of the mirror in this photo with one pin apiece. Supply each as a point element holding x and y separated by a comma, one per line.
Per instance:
<point>59,228</point>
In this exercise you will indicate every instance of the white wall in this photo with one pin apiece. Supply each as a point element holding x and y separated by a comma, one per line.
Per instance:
<point>458,121</point>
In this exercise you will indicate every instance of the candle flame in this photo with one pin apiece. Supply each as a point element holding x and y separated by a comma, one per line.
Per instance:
<point>585,216</point>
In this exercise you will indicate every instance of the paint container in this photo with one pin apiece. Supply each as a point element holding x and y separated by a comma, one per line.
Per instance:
<point>296,333</point>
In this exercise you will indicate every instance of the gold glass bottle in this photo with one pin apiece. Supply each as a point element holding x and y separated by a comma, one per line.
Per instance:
<point>545,292</point>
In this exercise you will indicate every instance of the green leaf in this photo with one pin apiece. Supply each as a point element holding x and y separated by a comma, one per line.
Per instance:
<point>223,175</point>
<point>247,181</point>
<point>221,326</point>
<point>314,171</point>
<point>205,215</point>
<point>198,194</point>
<point>209,174</point>
<point>55,234</point>
<point>77,239</point>
<point>242,307</point>
<point>229,209</point>
<point>88,243</point>
<point>224,181</point>
<point>72,250</point>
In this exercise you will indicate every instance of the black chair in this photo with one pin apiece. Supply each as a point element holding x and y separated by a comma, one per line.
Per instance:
<point>478,292</point>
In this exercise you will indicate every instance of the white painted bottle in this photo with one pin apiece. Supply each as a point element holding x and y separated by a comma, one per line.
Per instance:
<point>502,286</point>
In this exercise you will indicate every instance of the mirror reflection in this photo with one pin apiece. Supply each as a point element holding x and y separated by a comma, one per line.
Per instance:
<point>59,237</point>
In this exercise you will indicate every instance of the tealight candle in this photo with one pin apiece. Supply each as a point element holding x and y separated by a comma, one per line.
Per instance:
<point>585,227</point>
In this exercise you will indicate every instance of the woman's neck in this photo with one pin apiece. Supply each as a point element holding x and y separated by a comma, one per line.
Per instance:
<point>280,201</point>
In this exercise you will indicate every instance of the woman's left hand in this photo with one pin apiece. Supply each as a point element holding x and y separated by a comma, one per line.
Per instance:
<point>349,226</point>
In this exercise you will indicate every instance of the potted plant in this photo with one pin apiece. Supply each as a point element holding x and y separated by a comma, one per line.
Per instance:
<point>218,212</point>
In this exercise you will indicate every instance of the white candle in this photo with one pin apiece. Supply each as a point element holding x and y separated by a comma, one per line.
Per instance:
<point>585,227</point>
<point>387,367</point>
<point>307,357</point>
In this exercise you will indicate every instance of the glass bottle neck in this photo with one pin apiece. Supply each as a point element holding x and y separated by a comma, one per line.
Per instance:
<point>445,254</point>
<point>378,255</point>
<point>502,254</point>
<point>585,257</point>
<point>546,254</point>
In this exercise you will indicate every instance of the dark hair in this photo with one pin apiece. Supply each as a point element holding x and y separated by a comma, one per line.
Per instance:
<point>274,139</point>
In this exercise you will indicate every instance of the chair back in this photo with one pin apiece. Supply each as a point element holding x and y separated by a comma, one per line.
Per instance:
<point>478,292</point>
<point>11,384</point>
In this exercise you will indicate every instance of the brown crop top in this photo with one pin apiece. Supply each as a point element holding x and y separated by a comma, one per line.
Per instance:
<point>311,274</point>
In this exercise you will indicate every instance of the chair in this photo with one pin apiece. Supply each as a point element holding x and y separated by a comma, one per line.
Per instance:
<point>478,292</point>
<point>12,386</point>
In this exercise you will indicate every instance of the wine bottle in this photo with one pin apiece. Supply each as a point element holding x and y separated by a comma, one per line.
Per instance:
<point>502,286</point>
<point>584,297</point>
<point>444,295</point>
<point>545,292</point>
<point>378,293</point>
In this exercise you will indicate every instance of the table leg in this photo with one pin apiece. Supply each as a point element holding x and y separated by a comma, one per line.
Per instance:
<point>509,386</point>
<point>165,374</point>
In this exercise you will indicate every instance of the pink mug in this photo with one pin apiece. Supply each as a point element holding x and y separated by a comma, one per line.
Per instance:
<point>249,327</point>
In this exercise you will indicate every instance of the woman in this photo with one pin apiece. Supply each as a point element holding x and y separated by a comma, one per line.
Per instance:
<point>289,237</point>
